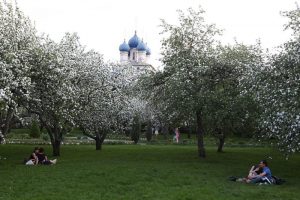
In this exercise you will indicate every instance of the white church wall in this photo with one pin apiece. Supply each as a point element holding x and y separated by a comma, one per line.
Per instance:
<point>123,56</point>
<point>142,56</point>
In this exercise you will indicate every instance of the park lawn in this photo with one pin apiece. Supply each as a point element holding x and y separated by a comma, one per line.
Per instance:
<point>143,172</point>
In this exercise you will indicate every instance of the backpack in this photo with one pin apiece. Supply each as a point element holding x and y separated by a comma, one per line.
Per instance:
<point>278,181</point>
<point>232,178</point>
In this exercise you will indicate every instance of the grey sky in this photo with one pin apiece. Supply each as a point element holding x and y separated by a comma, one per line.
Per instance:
<point>103,24</point>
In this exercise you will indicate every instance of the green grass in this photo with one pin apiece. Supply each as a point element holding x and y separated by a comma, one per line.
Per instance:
<point>143,172</point>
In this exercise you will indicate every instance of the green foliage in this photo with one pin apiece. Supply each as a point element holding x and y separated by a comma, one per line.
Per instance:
<point>277,89</point>
<point>227,108</point>
<point>18,131</point>
<point>35,130</point>
<point>17,40</point>
<point>45,137</point>
<point>188,52</point>
<point>75,132</point>
<point>202,80</point>
<point>169,171</point>
<point>19,134</point>
<point>136,129</point>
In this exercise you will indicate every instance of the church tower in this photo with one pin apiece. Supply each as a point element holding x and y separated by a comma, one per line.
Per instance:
<point>136,51</point>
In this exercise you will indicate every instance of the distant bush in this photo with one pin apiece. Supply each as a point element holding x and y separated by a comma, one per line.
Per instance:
<point>35,130</point>
<point>75,132</point>
<point>18,136</point>
<point>45,137</point>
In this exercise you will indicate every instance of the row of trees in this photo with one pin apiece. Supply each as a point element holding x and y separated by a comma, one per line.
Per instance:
<point>61,84</point>
<point>218,89</point>
<point>224,89</point>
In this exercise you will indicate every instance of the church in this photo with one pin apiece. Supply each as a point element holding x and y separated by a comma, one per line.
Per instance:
<point>135,52</point>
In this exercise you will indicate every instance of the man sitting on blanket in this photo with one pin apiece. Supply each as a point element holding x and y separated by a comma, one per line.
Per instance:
<point>265,176</point>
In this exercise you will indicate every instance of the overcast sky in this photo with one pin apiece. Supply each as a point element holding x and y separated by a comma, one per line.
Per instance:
<point>104,24</point>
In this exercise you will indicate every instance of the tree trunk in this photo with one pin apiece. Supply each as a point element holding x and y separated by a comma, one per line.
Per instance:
<point>221,142</point>
<point>55,140</point>
<point>99,140</point>
<point>149,131</point>
<point>165,130</point>
<point>56,147</point>
<point>136,129</point>
<point>98,143</point>
<point>5,127</point>
<point>2,140</point>
<point>189,132</point>
<point>200,132</point>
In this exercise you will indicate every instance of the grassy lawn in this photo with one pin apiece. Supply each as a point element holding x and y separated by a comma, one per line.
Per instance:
<point>143,172</point>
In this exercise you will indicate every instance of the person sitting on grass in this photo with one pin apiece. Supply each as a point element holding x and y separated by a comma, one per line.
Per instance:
<point>264,176</point>
<point>254,171</point>
<point>43,159</point>
<point>33,159</point>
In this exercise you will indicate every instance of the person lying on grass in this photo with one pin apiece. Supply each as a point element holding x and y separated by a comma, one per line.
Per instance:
<point>43,159</point>
<point>264,176</point>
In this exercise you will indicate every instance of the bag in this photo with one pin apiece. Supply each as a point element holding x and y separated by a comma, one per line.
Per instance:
<point>278,181</point>
<point>232,178</point>
<point>29,162</point>
<point>267,180</point>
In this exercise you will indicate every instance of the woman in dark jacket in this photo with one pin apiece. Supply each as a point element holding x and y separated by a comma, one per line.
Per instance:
<point>33,159</point>
<point>43,159</point>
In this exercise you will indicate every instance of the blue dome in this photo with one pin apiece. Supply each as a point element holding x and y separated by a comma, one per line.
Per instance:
<point>141,46</point>
<point>134,41</point>
<point>124,47</point>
